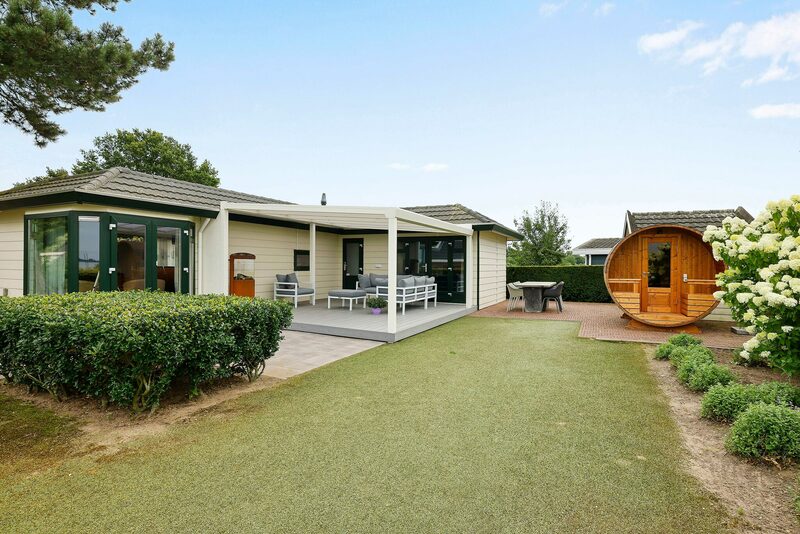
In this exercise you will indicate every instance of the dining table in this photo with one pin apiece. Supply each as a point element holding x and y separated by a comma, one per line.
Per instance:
<point>533,294</point>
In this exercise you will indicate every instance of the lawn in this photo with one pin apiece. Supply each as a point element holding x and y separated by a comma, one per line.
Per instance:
<point>481,425</point>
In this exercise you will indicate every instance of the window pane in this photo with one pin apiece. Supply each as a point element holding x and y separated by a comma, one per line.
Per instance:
<point>130,256</point>
<point>168,259</point>
<point>47,256</point>
<point>458,265</point>
<point>88,253</point>
<point>658,264</point>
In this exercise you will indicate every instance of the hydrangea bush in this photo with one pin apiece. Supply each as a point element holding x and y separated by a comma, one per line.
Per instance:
<point>761,282</point>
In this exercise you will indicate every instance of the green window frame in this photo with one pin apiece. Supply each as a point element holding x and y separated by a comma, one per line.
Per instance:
<point>107,280</point>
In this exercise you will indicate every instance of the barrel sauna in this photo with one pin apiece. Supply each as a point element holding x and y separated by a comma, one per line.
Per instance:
<point>663,276</point>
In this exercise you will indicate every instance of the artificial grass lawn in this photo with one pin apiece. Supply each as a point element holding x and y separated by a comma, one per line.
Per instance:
<point>481,425</point>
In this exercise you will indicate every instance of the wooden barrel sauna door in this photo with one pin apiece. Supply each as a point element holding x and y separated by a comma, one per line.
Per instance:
<point>663,276</point>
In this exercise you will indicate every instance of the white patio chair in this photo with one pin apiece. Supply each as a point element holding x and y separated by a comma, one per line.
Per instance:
<point>514,296</point>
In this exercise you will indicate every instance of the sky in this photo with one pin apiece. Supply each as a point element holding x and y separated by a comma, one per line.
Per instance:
<point>598,106</point>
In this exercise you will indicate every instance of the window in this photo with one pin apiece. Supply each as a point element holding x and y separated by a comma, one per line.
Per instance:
<point>47,256</point>
<point>84,251</point>
<point>302,260</point>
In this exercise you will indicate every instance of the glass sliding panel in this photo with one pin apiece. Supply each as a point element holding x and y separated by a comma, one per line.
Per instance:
<point>459,259</point>
<point>658,264</point>
<point>418,258</point>
<point>47,256</point>
<point>131,256</point>
<point>168,259</point>
<point>439,265</point>
<point>88,253</point>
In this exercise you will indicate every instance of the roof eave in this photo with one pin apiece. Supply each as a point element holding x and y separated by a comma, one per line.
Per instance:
<point>500,229</point>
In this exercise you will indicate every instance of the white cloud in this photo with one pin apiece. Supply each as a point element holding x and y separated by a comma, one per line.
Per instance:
<point>399,166</point>
<point>776,111</point>
<point>604,9</point>
<point>657,42</point>
<point>547,9</point>
<point>776,39</point>
<point>434,167</point>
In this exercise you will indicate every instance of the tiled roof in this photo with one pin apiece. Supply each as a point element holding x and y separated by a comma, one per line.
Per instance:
<point>119,182</point>
<point>698,219</point>
<point>459,214</point>
<point>599,242</point>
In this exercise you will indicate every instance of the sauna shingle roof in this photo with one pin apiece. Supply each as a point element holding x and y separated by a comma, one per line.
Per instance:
<point>697,219</point>
<point>125,184</point>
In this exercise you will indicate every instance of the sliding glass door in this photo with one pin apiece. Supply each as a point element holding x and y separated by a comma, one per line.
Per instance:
<point>443,258</point>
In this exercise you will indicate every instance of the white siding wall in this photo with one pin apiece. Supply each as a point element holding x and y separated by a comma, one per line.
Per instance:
<point>493,268</point>
<point>721,313</point>
<point>12,224</point>
<point>274,248</point>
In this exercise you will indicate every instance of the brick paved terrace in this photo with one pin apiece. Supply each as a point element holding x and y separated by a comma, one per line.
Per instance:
<point>605,322</point>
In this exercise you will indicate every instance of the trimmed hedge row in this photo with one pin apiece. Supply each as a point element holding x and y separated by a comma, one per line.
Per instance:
<point>725,403</point>
<point>128,348</point>
<point>582,283</point>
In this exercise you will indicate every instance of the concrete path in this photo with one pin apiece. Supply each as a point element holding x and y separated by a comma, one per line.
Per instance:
<point>301,352</point>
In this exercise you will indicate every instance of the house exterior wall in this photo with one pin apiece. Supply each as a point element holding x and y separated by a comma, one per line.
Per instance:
<point>274,248</point>
<point>12,229</point>
<point>493,268</point>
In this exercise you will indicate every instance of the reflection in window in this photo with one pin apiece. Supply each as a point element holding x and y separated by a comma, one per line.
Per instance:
<point>168,259</point>
<point>130,256</point>
<point>47,256</point>
<point>658,264</point>
<point>88,253</point>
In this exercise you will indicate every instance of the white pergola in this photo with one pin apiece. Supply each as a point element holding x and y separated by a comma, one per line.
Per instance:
<point>213,237</point>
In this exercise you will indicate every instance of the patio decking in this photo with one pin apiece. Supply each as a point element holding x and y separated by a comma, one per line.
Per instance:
<point>361,324</point>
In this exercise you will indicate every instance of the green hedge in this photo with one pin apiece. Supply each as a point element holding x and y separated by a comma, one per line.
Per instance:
<point>128,348</point>
<point>768,431</point>
<point>725,403</point>
<point>582,283</point>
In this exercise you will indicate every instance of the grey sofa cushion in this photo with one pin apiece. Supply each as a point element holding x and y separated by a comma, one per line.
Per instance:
<point>374,277</point>
<point>371,290</point>
<point>280,277</point>
<point>346,293</point>
<point>305,291</point>
<point>420,280</point>
<point>431,280</point>
<point>364,281</point>
<point>292,277</point>
<point>406,282</point>
<point>378,281</point>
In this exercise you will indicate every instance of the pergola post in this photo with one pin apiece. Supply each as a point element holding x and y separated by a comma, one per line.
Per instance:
<point>392,307</point>
<point>312,255</point>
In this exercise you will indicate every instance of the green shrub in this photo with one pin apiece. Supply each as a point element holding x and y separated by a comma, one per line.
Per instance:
<point>678,354</point>
<point>130,347</point>
<point>664,350</point>
<point>710,374</point>
<point>376,302</point>
<point>691,362</point>
<point>725,403</point>
<point>684,340</point>
<point>768,431</point>
<point>582,283</point>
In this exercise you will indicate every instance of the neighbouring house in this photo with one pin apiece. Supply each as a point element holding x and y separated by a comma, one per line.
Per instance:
<point>120,229</point>
<point>596,251</point>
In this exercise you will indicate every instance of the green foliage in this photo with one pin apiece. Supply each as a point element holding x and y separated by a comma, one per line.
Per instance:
<point>130,347</point>
<point>679,354</point>
<point>376,302</point>
<point>546,241</point>
<point>664,350</point>
<point>768,431</point>
<point>49,66</point>
<point>146,151</point>
<point>49,173</point>
<point>710,374</point>
<point>691,361</point>
<point>726,402</point>
<point>684,340</point>
<point>582,283</point>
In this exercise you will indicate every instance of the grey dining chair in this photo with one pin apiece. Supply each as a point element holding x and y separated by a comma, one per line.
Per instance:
<point>554,294</point>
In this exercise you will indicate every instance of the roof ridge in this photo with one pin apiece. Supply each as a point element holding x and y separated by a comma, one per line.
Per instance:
<point>102,179</point>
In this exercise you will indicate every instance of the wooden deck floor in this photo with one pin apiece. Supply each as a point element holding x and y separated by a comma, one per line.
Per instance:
<point>361,324</point>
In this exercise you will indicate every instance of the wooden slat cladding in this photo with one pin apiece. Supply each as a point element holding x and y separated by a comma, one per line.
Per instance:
<point>692,272</point>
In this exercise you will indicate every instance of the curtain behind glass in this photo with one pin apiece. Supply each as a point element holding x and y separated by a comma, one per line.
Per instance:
<point>47,255</point>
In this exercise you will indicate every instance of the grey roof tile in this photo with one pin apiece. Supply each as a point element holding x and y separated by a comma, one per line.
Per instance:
<point>698,219</point>
<point>599,242</point>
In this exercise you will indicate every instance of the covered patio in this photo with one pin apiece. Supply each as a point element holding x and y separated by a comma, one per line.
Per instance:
<point>325,223</point>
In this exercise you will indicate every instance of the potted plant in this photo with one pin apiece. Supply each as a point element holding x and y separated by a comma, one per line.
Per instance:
<point>376,304</point>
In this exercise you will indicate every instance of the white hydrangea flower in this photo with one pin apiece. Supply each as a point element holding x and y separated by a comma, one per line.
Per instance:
<point>787,329</point>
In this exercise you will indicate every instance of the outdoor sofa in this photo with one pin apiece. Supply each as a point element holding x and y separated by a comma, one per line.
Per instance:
<point>288,286</point>
<point>409,288</point>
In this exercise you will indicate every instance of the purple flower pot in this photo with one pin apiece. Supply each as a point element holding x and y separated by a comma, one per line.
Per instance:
<point>376,311</point>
